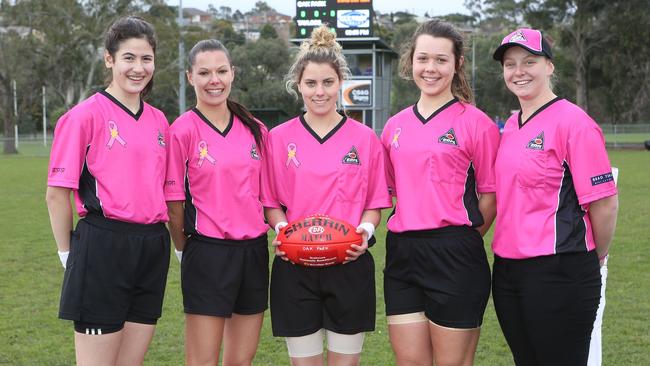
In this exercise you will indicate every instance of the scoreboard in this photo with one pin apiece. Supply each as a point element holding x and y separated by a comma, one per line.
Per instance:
<point>349,18</point>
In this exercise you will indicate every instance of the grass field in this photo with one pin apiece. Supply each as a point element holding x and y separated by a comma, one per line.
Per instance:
<point>30,280</point>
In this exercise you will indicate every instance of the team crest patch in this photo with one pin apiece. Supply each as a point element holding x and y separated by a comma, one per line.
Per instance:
<point>161,139</point>
<point>254,154</point>
<point>518,37</point>
<point>602,178</point>
<point>537,143</point>
<point>115,135</point>
<point>352,157</point>
<point>448,138</point>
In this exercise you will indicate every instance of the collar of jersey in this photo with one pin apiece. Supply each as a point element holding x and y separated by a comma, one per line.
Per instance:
<point>207,121</point>
<point>435,113</point>
<point>540,109</point>
<point>329,134</point>
<point>135,116</point>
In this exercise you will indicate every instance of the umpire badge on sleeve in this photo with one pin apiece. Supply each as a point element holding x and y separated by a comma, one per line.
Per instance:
<point>537,143</point>
<point>352,157</point>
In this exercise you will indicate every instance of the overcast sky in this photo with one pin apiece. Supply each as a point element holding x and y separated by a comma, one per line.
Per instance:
<point>288,7</point>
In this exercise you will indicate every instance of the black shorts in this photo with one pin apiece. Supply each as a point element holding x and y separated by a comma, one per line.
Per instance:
<point>340,298</point>
<point>116,272</point>
<point>220,277</point>
<point>547,305</point>
<point>443,272</point>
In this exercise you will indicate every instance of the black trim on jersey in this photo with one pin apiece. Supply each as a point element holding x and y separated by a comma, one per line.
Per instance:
<point>135,116</point>
<point>470,198</point>
<point>329,134</point>
<point>207,121</point>
<point>521,124</point>
<point>190,210</point>
<point>570,229</point>
<point>88,189</point>
<point>435,113</point>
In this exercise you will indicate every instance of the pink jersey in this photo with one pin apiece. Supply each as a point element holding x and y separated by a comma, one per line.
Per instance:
<point>340,175</point>
<point>217,174</point>
<point>114,160</point>
<point>548,171</point>
<point>439,165</point>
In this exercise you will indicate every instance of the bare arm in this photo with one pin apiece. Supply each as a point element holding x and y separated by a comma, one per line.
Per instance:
<point>176,217</point>
<point>60,210</point>
<point>602,214</point>
<point>487,204</point>
<point>373,217</point>
<point>274,216</point>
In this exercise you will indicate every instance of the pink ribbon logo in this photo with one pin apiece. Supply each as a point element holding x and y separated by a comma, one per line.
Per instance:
<point>291,155</point>
<point>204,154</point>
<point>115,135</point>
<point>395,142</point>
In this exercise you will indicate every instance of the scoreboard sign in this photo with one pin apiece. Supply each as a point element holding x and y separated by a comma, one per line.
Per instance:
<point>349,18</point>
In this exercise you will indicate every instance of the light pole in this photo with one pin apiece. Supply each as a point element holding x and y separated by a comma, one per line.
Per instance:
<point>181,59</point>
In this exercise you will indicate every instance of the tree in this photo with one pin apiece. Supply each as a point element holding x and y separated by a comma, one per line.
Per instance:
<point>259,76</point>
<point>577,21</point>
<point>268,32</point>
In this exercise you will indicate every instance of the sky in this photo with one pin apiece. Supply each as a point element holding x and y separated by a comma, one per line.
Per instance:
<point>288,7</point>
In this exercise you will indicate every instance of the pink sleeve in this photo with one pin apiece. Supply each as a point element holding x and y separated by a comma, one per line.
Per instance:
<point>268,195</point>
<point>486,144</point>
<point>378,196</point>
<point>588,163</point>
<point>386,135</point>
<point>177,157</point>
<point>72,137</point>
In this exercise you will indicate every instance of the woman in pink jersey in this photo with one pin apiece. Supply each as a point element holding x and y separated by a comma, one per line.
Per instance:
<point>109,151</point>
<point>441,152</point>
<point>324,162</point>
<point>216,220</point>
<point>556,212</point>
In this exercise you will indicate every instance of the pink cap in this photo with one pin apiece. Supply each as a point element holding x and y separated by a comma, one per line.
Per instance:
<point>529,39</point>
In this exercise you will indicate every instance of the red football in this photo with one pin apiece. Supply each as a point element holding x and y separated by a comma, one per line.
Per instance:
<point>317,240</point>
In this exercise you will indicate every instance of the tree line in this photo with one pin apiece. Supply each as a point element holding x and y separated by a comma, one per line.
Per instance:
<point>602,56</point>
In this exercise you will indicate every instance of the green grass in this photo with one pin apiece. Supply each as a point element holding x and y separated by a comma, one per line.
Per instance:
<point>30,273</point>
<point>627,137</point>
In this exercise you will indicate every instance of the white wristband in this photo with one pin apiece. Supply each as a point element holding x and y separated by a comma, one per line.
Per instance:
<point>179,254</point>
<point>279,226</point>
<point>368,227</point>
<point>63,257</point>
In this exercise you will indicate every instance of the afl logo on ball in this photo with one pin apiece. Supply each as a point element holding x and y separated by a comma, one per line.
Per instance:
<point>314,230</point>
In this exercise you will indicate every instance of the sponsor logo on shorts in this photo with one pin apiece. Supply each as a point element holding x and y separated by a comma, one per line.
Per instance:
<point>170,183</point>
<point>537,143</point>
<point>58,170</point>
<point>352,157</point>
<point>254,154</point>
<point>603,178</point>
<point>448,138</point>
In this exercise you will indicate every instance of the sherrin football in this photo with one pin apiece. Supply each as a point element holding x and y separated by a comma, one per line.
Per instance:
<point>317,240</point>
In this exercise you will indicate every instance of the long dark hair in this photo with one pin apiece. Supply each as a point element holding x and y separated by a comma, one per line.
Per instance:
<point>239,110</point>
<point>459,86</point>
<point>126,28</point>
